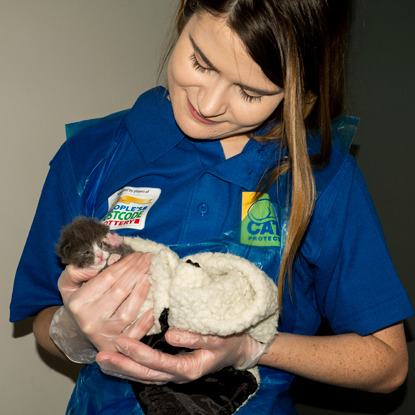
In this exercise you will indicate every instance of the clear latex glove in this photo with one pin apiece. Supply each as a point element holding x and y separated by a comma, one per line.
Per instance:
<point>68,337</point>
<point>99,308</point>
<point>138,362</point>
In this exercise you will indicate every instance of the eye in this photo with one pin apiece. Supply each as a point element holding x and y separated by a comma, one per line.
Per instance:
<point>249,98</point>
<point>197,65</point>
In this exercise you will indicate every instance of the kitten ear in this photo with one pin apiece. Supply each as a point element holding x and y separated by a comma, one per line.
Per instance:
<point>65,253</point>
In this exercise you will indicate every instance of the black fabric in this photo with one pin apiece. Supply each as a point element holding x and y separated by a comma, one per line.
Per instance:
<point>220,393</point>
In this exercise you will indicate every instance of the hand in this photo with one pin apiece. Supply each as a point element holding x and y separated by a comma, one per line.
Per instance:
<point>107,305</point>
<point>138,362</point>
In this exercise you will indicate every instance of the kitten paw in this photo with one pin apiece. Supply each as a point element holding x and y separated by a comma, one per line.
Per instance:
<point>113,258</point>
<point>113,240</point>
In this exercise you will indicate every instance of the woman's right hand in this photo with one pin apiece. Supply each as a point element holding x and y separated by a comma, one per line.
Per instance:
<point>106,305</point>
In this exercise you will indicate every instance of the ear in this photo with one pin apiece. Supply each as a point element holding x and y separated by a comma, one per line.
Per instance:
<point>67,250</point>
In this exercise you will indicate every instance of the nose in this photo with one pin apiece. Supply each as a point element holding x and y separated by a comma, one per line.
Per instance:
<point>211,100</point>
<point>99,255</point>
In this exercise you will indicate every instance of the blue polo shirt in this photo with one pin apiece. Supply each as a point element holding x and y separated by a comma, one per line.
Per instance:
<point>199,191</point>
<point>137,172</point>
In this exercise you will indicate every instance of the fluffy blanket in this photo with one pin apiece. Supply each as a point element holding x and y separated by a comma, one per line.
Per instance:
<point>210,293</point>
<point>206,293</point>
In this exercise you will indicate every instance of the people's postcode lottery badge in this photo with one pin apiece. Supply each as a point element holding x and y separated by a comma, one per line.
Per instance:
<point>129,207</point>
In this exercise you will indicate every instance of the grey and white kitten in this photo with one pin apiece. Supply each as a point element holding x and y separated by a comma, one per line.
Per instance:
<point>88,243</point>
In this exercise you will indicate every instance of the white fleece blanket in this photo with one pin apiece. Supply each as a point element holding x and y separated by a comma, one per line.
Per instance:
<point>222,295</point>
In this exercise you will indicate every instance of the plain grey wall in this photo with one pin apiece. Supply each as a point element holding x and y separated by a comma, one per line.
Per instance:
<point>64,61</point>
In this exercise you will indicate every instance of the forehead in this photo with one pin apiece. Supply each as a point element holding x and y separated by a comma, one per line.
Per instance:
<point>225,49</point>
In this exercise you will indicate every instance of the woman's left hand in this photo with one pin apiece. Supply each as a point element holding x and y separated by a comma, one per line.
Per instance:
<point>138,362</point>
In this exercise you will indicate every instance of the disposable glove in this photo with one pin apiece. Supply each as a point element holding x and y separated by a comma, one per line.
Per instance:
<point>68,337</point>
<point>138,362</point>
<point>99,308</point>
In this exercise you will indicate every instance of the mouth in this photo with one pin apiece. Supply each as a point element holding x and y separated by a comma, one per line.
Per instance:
<point>198,116</point>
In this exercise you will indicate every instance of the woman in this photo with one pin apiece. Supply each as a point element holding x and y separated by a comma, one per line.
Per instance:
<point>239,74</point>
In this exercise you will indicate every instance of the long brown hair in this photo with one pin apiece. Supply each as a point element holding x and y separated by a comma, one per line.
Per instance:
<point>300,46</point>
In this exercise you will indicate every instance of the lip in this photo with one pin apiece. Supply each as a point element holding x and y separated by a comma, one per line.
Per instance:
<point>198,116</point>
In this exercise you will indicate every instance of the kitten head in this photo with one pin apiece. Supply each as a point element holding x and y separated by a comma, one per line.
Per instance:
<point>79,240</point>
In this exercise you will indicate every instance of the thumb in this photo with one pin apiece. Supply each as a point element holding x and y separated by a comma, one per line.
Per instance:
<point>182,338</point>
<point>72,277</point>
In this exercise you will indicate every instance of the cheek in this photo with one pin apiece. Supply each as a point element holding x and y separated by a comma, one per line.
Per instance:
<point>170,75</point>
<point>250,114</point>
<point>180,72</point>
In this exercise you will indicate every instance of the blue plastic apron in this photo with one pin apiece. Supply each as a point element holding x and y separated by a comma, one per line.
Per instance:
<point>97,393</point>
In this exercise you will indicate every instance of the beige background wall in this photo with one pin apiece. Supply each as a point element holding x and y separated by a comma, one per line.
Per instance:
<point>63,61</point>
<point>60,61</point>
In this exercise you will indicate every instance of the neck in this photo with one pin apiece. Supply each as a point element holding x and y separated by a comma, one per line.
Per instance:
<point>233,145</point>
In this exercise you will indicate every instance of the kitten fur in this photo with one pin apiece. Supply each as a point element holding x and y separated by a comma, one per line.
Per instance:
<point>81,244</point>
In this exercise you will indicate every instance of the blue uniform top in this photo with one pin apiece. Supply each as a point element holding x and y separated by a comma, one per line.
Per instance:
<point>137,172</point>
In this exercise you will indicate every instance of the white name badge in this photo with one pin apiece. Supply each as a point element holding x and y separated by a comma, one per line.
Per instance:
<point>128,208</point>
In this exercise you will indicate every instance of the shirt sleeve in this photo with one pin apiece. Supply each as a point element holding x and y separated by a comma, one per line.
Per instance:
<point>35,285</point>
<point>356,286</point>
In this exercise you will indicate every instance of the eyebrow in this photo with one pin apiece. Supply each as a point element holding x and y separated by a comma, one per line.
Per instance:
<point>202,55</point>
<point>212,66</point>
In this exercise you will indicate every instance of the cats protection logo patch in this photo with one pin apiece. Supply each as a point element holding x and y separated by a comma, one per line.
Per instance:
<point>259,226</point>
<point>128,208</point>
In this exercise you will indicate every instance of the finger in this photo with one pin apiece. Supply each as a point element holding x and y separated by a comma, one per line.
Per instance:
<point>121,270</point>
<point>72,278</point>
<point>128,270</point>
<point>112,286</point>
<point>125,376</point>
<point>133,303</point>
<point>122,366</point>
<point>129,292</point>
<point>105,294</point>
<point>182,338</point>
<point>182,367</point>
<point>140,328</point>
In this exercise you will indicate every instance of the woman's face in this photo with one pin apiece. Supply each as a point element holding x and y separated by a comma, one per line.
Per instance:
<point>216,89</point>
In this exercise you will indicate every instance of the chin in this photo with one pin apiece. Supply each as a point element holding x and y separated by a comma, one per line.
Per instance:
<point>193,129</point>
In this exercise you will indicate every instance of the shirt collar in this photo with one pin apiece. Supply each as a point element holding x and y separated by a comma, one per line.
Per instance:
<point>247,168</point>
<point>151,121</point>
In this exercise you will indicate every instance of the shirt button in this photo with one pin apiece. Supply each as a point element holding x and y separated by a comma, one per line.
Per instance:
<point>203,208</point>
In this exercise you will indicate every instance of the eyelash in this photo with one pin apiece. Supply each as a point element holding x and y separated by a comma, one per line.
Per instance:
<point>197,65</point>
<point>249,98</point>
<point>244,95</point>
